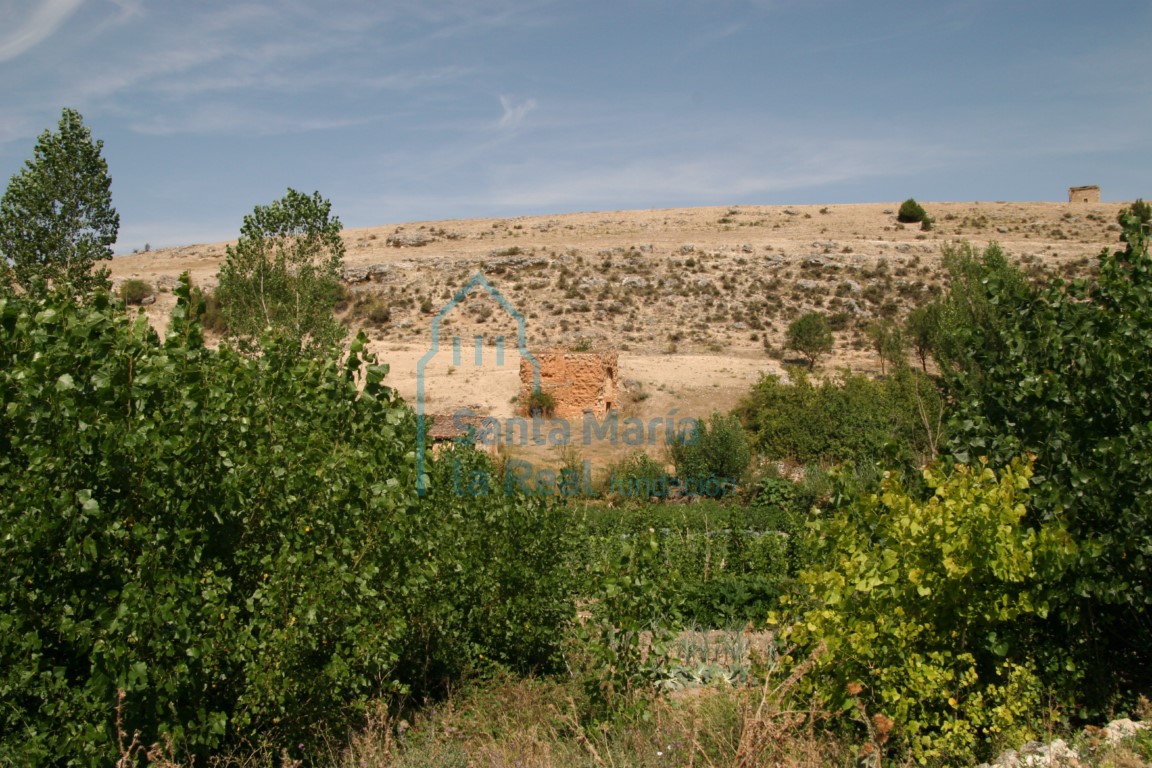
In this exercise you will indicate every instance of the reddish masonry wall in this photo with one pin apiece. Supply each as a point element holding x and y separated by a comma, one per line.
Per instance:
<point>577,381</point>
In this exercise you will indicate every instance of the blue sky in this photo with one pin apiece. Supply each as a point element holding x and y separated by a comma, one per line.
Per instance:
<point>398,110</point>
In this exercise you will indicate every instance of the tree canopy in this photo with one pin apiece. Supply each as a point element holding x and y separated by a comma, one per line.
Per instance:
<point>56,217</point>
<point>1060,371</point>
<point>811,336</point>
<point>283,275</point>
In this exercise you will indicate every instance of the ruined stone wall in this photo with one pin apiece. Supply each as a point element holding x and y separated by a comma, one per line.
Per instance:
<point>1084,194</point>
<point>577,381</point>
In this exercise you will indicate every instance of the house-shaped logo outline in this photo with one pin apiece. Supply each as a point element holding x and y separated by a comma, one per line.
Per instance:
<point>476,281</point>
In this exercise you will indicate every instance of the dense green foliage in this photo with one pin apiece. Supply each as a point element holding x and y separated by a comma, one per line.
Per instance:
<point>712,458</point>
<point>1062,371</point>
<point>928,610</point>
<point>810,335</point>
<point>283,275</point>
<point>638,476</point>
<point>911,212</point>
<point>56,217</point>
<point>716,564</point>
<point>852,418</point>
<point>234,541</point>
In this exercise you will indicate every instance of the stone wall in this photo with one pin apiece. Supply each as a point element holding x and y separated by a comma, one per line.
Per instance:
<point>1089,194</point>
<point>577,381</point>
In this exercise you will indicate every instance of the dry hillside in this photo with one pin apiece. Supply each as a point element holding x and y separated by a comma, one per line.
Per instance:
<point>696,300</point>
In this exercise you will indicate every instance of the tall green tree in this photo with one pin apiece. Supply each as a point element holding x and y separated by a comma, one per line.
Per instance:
<point>811,336</point>
<point>887,339</point>
<point>56,217</point>
<point>921,328</point>
<point>1061,371</point>
<point>283,276</point>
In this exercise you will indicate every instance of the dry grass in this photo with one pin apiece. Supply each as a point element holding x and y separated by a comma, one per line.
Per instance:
<point>533,723</point>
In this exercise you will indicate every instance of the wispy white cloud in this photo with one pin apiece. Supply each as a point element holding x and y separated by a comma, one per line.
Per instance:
<point>222,119</point>
<point>514,112</point>
<point>41,21</point>
<point>718,34</point>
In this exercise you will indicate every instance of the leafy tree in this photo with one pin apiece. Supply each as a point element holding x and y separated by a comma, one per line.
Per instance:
<point>920,328</point>
<point>1061,371</point>
<point>911,212</point>
<point>811,336</point>
<point>888,341</point>
<point>283,275</point>
<point>237,543</point>
<point>1139,210</point>
<point>928,609</point>
<point>985,294</point>
<point>56,217</point>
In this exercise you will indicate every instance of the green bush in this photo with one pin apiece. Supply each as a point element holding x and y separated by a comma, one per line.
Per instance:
<point>1138,210</point>
<point>235,542</point>
<point>541,403</point>
<point>928,610</point>
<point>206,307</point>
<point>911,212</point>
<point>712,458</point>
<point>849,419</point>
<point>639,476</point>
<point>134,291</point>
<point>809,335</point>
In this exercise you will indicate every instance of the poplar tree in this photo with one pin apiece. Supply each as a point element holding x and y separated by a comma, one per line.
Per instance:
<point>56,217</point>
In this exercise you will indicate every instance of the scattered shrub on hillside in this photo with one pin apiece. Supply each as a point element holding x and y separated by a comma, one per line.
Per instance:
<point>809,335</point>
<point>371,309</point>
<point>541,403</point>
<point>134,291</point>
<point>911,212</point>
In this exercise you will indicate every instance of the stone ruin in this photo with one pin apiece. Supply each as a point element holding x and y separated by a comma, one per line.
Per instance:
<point>579,382</point>
<point>1089,194</point>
